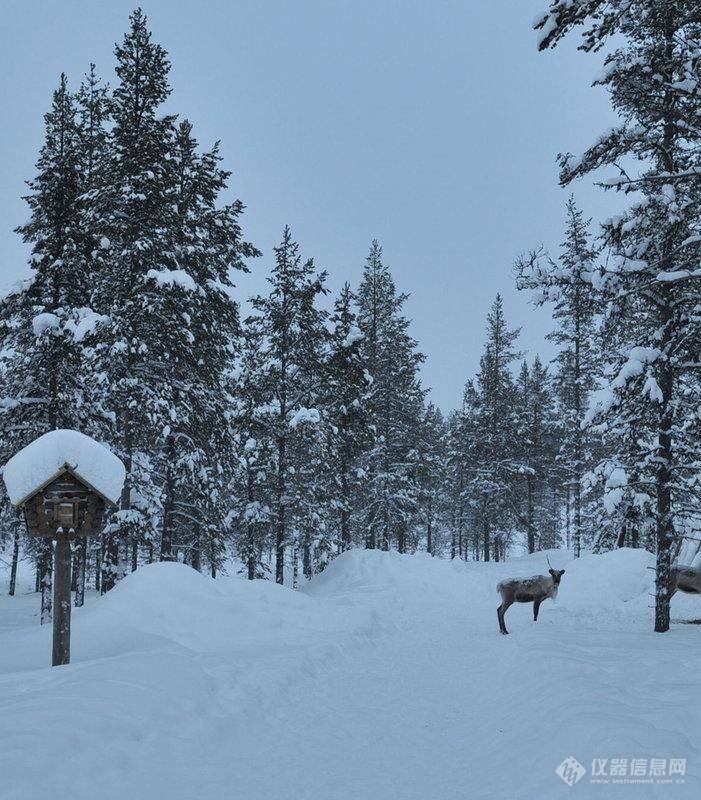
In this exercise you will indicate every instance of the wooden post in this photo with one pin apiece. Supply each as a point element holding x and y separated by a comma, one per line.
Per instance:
<point>62,601</point>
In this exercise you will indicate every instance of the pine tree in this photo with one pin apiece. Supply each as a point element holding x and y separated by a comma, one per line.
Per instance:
<point>292,385</point>
<point>394,406</point>
<point>459,456</point>
<point>494,464</point>
<point>431,477</point>
<point>348,437</point>
<point>207,245</point>
<point>651,281</point>
<point>136,218</point>
<point>253,452</point>
<point>567,285</point>
<point>44,376</point>
<point>538,443</point>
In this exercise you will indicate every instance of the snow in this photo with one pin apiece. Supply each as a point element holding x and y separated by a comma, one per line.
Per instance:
<point>303,416</point>
<point>173,277</point>
<point>39,461</point>
<point>354,335</point>
<point>85,323</point>
<point>616,483</point>
<point>44,322</point>
<point>384,679</point>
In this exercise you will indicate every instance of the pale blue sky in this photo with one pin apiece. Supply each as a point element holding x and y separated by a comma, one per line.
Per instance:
<point>432,126</point>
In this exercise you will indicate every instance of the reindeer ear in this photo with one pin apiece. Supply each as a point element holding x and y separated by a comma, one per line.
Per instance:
<point>562,572</point>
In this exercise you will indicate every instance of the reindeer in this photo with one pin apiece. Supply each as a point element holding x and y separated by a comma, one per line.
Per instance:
<point>685,579</point>
<point>527,590</point>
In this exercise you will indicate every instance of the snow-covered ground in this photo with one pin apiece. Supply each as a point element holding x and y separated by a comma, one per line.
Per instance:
<point>384,679</point>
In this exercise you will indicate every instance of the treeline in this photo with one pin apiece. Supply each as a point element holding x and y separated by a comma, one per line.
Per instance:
<point>303,429</point>
<point>283,437</point>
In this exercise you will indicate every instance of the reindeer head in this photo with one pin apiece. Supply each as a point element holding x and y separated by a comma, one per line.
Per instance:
<point>555,573</point>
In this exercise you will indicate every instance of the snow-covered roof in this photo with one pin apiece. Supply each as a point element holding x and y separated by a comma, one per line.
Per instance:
<point>39,462</point>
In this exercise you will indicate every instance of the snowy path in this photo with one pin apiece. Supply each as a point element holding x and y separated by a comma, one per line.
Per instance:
<point>386,678</point>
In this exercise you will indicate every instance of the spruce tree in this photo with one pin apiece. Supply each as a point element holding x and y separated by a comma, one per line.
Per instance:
<point>137,215</point>
<point>651,281</point>
<point>494,464</point>
<point>395,406</point>
<point>253,452</point>
<point>292,385</point>
<point>567,284</point>
<point>538,439</point>
<point>347,384</point>
<point>43,372</point>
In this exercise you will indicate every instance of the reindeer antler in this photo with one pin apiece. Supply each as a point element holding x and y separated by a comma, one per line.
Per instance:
<point>548,560</point>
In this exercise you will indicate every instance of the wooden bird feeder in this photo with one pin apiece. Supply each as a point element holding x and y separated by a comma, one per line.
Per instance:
<point>67,504</point>
<point>63,482</point>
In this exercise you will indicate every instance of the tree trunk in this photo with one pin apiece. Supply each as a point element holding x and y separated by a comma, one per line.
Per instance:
<point>110,561</point>
<point>429,530</point>
<point>401,539</point>
<point>15,560</point>
<point>345,502</point>
<point>485,530</point>
<point>665,526</point>
<point>307,556</point>
<point>98,566</point>
<point>280,527</point>
<point>530,514</point>
<point>250,526</point>
<point>46,582</point>
<point>196,558</point>
<point>168,503</point>
<point>577,518</point>
<point>80,565</point>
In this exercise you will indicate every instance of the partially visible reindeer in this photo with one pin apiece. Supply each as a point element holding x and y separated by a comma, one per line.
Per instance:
<point>685,579</point>
<point>528,590</point>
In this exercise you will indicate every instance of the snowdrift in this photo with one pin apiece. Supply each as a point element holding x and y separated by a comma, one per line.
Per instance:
<point>384,678</point>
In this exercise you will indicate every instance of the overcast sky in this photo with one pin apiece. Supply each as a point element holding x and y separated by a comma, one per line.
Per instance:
<point>431,126</point>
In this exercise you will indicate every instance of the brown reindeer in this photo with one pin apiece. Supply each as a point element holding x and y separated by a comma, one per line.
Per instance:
<point>685,579</point>
<point>528,590</point>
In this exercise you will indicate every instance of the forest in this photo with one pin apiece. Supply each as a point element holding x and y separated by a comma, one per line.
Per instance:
<point>275,432</point>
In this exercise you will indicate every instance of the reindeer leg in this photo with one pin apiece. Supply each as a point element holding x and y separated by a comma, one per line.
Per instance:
<point>536,608</point>
<point>500,615</point>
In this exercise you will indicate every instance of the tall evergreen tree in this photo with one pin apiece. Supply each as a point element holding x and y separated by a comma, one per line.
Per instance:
<point>43,372</point>
<point>348,436</point>
<point>292,381</point>
<point>432,475</point>
<point>567,284</point>
<point>651,281</point>
<point>137,221</point>
<point>538,443</point>
<point>494,464</point>
<point>253,452</point>
<point>207,246</point>
<point>394,404</point>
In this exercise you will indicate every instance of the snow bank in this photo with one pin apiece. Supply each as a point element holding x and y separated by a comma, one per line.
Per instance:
<point>614,587</point>
<point>388,670</point>
<point>39,461</point>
